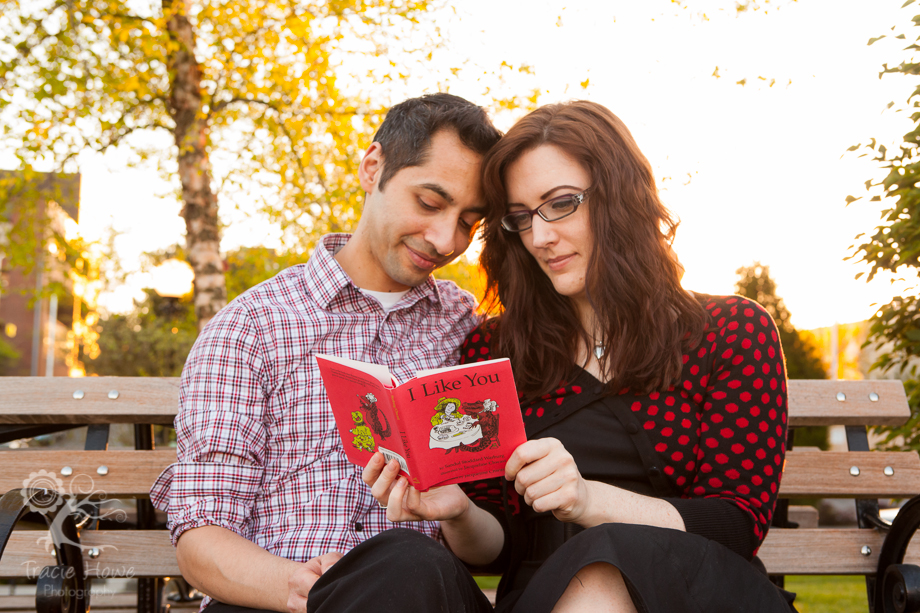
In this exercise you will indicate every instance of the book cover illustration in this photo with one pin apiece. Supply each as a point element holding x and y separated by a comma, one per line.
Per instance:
<point>468,426</point>
<point>442,425</point>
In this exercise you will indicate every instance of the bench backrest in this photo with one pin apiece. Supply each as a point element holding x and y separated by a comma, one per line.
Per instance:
<point>130,473</point>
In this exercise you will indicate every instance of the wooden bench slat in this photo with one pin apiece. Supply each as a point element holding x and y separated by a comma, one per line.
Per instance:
<point>821,551</point>
<point>155,400</point>
<point>130,472</point>
<point>814,403</point>
<point>124,554</point>
<point>141,400</point>
<point>826,474</point>
<point>148,553</point>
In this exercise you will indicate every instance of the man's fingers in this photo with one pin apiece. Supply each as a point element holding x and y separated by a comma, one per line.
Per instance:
<point>371,472</point>
<point>395,501</point>
<point>381,488</point>
<point>327,560</point>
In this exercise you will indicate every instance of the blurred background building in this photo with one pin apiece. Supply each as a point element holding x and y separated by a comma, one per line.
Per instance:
<point>37,302</point>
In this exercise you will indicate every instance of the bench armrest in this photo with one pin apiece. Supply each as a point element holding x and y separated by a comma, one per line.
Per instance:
<point>63,587</point>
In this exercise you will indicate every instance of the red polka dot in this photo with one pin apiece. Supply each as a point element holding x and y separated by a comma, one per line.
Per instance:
<point>746,343</point>
<point>528,411</point>
<point>649,425</point>
<point>721,458</point>
<point>636,406</point>
<point>540,412</point>
<point>471,353</point>
<point>764,321</point>
<point>475,338</point>
<point>669,416</point>
<point>669,470</point>
<point>732,473</point>
<point>747,464</point>
<point>714,482</point>
<point>761,454</point>
<point>666,432</point>
<point>683,439</point>
<point>670,401</point>
<point>661,447</point>
<point>751,438</point>
<point>727,433</point>
<point>737,448</point>
<point>484,351</point>
<point>653,410</point>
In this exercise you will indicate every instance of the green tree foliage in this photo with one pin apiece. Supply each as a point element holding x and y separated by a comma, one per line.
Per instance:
<point>894,246</point>
<point>153,340</point>
<point>802,358</point>
<point>256,99</point>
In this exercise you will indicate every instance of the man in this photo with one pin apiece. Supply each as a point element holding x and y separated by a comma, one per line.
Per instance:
<point>262,503</point>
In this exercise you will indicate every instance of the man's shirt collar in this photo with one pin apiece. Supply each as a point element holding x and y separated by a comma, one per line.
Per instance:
<point>325,278</point>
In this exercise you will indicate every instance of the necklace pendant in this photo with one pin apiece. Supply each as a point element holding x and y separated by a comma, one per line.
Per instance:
<point>598,351</point>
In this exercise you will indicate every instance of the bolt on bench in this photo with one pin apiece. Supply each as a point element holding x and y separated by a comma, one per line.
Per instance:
<point>88,544</point>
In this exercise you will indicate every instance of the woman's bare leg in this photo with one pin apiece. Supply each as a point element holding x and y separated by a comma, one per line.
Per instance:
<point>596,588</point>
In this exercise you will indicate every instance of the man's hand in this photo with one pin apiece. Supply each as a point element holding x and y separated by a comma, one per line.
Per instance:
<point>301,580</point>
<point>405,503</point>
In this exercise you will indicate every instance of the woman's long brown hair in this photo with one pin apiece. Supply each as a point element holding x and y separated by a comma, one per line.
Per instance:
<point>633,277</point>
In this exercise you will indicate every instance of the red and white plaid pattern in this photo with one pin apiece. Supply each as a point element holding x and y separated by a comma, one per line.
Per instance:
<point>259,453</point>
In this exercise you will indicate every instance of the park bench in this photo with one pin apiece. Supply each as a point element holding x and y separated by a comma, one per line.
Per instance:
<point>141,548</point>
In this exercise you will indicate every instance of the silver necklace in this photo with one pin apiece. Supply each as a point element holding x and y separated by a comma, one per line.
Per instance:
<point>598,350</point>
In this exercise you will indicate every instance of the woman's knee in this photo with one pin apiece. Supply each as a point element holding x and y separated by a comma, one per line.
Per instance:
<point>596,587</point>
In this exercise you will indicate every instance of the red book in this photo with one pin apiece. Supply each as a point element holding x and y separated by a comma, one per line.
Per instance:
<point>444,426</point>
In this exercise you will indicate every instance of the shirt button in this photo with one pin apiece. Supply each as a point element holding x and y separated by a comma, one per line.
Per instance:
<point>359,527</point>
<point>598,389</point>
<point>632,428</point>
<point>654,472</point>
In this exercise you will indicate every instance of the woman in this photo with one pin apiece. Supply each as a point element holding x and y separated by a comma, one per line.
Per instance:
<point>656,418</point>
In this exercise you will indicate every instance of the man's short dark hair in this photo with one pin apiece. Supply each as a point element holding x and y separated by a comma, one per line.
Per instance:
<point>405,134</point>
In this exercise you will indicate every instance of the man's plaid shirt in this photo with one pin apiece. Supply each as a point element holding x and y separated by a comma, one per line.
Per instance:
<point>259,453</point>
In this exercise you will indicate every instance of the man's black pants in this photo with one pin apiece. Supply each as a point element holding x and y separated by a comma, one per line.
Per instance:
<point>398,570</point>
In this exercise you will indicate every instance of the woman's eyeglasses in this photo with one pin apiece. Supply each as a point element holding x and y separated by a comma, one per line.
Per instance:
<point>551,210</point>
